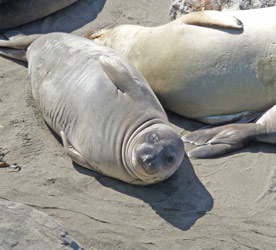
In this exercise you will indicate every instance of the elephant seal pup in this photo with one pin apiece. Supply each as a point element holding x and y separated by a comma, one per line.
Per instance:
<point>17,12</point>
<point>104,110</point>
<point>210,66</point>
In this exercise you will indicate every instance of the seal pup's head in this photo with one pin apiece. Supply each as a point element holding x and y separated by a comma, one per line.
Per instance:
<point>156,153</point>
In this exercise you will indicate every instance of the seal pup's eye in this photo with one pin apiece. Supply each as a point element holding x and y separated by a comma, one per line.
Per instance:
<point>153,137</point>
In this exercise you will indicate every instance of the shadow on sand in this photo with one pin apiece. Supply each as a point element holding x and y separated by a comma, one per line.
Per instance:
<point>181,200</point>
<point>66,20</point>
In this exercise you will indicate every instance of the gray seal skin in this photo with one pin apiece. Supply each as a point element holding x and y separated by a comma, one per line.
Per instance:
<point>106,113</point>
<point>18,12</point>
<point>210,66</point>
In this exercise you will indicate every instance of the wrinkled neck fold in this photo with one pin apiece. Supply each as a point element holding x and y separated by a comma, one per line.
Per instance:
<point>130,145</point>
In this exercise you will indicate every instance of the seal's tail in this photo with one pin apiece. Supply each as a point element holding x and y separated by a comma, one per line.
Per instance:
<point>224,139</point>
<point>14,45</point>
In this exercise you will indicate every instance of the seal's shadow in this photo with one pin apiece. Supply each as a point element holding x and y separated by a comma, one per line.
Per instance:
<point>181,200</point>
<point>184,123</point>
<point>66,20</point>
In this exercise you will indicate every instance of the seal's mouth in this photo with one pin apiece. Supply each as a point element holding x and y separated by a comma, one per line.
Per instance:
<point>149,167</point>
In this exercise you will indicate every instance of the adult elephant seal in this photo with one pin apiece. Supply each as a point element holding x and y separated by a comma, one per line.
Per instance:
<point>211,66</point>
<point>17,12</point>
<point>104,110</point>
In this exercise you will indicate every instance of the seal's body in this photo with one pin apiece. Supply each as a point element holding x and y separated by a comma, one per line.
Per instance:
<point>108,117</point>
<point>205,72</point>
<point>209,65</point>
<point>16,12</point>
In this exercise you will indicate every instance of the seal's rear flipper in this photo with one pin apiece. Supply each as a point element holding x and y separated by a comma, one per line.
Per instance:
<point>72,152</point>
<point>221,140</point>
<point>19,54</point>
<point>16,45</point>
<point>212,18</point>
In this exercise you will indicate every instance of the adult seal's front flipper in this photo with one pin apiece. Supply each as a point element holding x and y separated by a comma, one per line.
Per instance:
<point>221,140</point>
<point>211,18</point>
<point>227,138</point>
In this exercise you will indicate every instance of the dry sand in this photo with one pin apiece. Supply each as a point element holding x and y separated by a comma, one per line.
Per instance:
<point>223,203</point>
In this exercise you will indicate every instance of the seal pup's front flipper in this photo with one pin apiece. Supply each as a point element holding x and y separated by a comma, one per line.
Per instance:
<point>117,72</point>
<point>128,80</point>
<point>72,152</point>
<point>212,18</point>
<point>221,140</point>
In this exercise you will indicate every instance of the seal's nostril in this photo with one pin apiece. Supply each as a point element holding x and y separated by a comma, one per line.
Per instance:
<point>169,159</point>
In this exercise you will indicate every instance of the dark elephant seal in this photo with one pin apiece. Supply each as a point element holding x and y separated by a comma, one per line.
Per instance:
<point>17,12</point>
<point>104,110</point>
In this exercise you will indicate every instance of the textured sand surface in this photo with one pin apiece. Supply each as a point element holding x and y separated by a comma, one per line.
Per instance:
<point>223,203</point>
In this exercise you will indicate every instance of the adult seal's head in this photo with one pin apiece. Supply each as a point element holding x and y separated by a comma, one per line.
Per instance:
<point>154,153</point>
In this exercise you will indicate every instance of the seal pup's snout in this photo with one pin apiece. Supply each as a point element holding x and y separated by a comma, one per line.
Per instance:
<point>149,157</point>
<point>156,157</point>
<point>150,164</point>
<point>157,154</point>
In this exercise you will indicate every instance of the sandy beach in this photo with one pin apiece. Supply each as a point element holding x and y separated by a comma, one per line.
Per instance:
<point>223,203</point>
